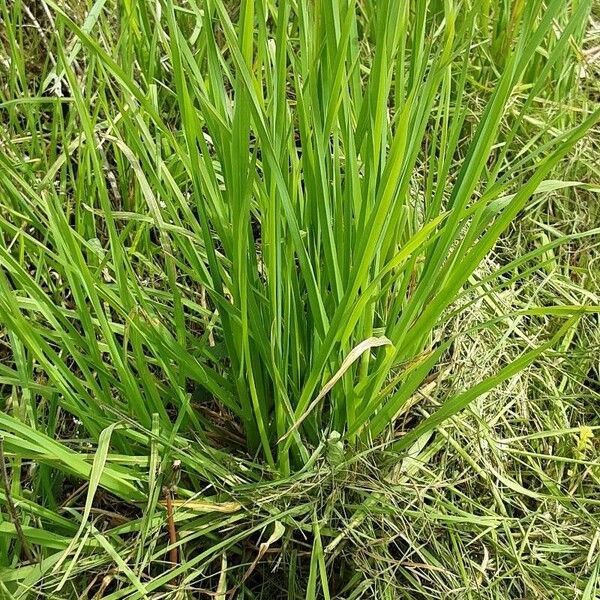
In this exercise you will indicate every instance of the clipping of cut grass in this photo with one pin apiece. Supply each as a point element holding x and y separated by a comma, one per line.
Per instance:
<point>230,239</point>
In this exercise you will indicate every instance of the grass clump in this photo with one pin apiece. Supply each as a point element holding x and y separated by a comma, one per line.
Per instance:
<point>238,245</point>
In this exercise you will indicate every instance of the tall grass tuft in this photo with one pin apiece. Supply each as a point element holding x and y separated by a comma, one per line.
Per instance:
<point>231,237</point>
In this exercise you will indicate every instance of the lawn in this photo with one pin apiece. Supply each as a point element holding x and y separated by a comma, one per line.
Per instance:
<point>299,299</point>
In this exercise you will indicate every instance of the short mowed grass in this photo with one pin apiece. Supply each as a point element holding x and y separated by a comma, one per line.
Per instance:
<point>299,299</point>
